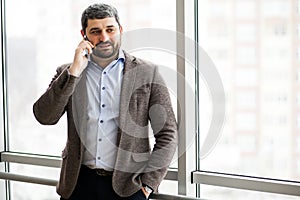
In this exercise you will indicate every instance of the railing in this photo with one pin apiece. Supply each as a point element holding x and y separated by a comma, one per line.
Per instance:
<point>259,184</point>
<point>201,177</point>
<point>53,161</point>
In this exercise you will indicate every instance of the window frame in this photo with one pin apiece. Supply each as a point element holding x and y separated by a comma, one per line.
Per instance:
<point>198,177</point>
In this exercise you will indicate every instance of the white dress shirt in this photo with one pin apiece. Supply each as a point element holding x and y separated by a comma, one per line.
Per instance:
<point>103,93</point>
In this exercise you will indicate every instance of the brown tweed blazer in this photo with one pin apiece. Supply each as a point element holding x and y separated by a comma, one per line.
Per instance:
<point>144,98</point>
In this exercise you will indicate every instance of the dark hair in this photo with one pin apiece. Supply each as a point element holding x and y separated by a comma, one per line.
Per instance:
<point>98,11</point>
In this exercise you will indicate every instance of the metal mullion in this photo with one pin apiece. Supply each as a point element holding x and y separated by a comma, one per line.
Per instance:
<point>4,92</point>
<point>181,110</point>
<point>4,76</point>
<point>197,93</point>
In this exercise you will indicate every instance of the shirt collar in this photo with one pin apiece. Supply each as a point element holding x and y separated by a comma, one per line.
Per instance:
<point>121,55</point>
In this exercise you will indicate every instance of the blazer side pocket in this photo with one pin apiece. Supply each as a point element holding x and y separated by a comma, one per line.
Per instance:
<point>141,157</point>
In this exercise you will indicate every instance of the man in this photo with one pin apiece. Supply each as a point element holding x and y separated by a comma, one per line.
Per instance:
<point>109,97</point>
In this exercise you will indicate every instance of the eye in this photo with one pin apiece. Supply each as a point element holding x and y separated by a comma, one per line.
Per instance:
<point>95,32</point>
<point>110,30</point>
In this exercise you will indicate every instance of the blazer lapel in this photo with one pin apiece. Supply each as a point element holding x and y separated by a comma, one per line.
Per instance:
<point>79,107</point>
<point>129,77</point>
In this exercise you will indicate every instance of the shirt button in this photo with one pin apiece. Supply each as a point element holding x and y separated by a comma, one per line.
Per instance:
<point>103,105</point>
<point>100,139</point>
<point>104,72</point>
<point>103,88</point>
<point>99,158</point>
<point>101,121</point>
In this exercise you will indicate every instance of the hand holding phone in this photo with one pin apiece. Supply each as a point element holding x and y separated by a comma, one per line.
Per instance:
<point>81,57</point>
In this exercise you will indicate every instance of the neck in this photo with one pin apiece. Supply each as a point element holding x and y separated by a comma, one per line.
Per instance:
<point>103,62</point>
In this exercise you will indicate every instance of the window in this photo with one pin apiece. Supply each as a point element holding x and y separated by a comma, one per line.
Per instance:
<point>252,46</point>
<point>260,110</point>
<point>38,41</point>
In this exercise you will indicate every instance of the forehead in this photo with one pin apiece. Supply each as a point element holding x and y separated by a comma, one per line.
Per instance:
<point>101,23</point>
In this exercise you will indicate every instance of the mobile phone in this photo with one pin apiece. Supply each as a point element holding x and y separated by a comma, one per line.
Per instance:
<point>85,51</point>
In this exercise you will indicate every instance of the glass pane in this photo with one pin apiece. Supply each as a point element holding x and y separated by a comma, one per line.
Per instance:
<point>168,187</point>
<point>32,191</point>
<point>2,189</point>
<point>255,48</point>
<point>2,184</point>
<point>40,40</point>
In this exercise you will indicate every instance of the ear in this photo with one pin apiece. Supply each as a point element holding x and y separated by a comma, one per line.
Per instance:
<point>121,29</point>
<point>82,33</point>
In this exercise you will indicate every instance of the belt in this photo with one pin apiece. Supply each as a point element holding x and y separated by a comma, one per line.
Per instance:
<point>99,172</point>
<point>103,172</point>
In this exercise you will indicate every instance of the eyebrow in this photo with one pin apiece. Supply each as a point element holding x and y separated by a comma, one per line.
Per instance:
<point>108,26</point>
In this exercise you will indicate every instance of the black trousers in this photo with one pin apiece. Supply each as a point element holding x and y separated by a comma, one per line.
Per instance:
<point>91,186</point>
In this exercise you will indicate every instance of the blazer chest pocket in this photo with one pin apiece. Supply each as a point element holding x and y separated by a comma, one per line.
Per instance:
<point>140,100</point>
<point>142,92</point>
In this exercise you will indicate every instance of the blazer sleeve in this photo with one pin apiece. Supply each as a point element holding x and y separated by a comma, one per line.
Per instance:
<point>51,105</point>
<point>164,127</point>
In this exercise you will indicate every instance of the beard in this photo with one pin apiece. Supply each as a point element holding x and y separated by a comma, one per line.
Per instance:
<point>107,49</point>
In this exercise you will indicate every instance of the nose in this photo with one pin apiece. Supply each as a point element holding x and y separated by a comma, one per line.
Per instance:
<point>104,37</point>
